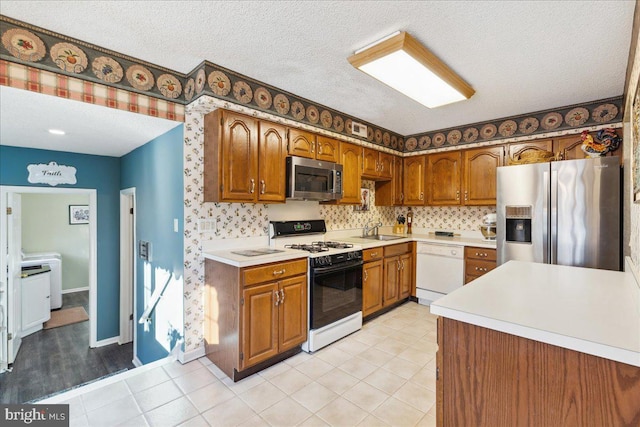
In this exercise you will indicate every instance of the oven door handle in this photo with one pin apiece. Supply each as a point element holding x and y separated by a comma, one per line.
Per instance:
<point>332,269</point>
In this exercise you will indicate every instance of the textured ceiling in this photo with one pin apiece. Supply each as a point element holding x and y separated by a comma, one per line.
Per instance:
<point>520,56</point>
<point>91,129</point>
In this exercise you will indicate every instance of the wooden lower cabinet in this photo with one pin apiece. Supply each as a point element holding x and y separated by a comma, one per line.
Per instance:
<point>398,273</point>
<point>490,378</point>
<point>372,287</point>
<point>477,262</point>
<point>253,314</point>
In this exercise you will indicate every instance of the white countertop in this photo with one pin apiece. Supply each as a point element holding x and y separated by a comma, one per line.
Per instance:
<point>228,257</point>
<point>592,311</point>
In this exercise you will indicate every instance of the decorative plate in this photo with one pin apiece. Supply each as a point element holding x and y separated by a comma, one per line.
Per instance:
<point>297,110</point>
<point>348,126</point>
<point>219,83</point>
<point>312,114</point>
<point>411,143</point>
<point>529,125</point>
<point>326,119</point>
<point>338,123</point>
<point>400,143</point>
<point>551,121</point>
<point>470,134</point>
<point>242,92</point>
<point>386,139</point>
<point>395,138</point>
<point>281,103</point>
<point>107,69</point>
<point>508,128</point>
<point>189,89</point>
<point>604,113</point>
<point>577,117</point>
<point>395,145</point>
<point>424,141</point>
<point>169,86</point>
<point>24,45</point>
<point>488,131</point>
<point>201,78</point>
<point>377,136</point>
<point>454,137</point>
<point>263,98</point>
<point>69,57</point>
<point>139,77</point>
<point>370,133</point>
<point>439,139</point>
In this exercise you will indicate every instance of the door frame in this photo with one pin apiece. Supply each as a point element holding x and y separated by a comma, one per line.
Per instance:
<point>128,331</point>
<point>93,239</point>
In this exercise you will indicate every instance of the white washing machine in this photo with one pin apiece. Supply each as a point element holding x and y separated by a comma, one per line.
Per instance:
<point>54,261</point>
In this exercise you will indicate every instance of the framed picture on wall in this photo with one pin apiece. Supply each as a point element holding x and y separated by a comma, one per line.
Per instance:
<point>635,154</point>
<point>78,214</point>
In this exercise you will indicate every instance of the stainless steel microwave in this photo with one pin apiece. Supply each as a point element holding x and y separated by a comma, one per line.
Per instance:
<point>309,179</point>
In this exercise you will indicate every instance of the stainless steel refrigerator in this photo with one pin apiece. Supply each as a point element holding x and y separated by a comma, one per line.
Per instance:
<point>565,212</point>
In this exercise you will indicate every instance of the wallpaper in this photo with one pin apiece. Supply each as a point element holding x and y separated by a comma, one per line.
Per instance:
<point>634,208</point>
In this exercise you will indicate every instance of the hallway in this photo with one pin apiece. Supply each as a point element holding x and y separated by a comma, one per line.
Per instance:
<point>53,360</point>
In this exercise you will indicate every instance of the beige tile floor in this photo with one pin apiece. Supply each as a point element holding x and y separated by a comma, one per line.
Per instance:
<point>381,375</point>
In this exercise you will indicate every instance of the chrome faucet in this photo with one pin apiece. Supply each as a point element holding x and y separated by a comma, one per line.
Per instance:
<point>374,228</point>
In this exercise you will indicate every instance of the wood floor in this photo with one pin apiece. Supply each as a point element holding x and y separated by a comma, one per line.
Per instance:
<point>57,359</point>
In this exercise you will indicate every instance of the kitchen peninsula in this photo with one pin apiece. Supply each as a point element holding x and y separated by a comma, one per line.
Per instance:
<point>537,344</point>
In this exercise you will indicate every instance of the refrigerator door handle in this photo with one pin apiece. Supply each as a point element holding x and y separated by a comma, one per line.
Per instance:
<point>545,216</point>
<point>553,218</point>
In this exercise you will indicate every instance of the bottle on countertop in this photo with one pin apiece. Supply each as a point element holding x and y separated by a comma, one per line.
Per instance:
<point>409,221</point>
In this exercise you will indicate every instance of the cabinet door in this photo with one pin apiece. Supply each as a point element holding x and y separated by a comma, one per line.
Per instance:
<point>292,322</point>
<point>391,274</point>
<point>271,162</point>
<point>569,147</point>
<point>370,163</point>
<point>259,324</point>
<point>398,195</point>
<point>413,179</point>
<point>385,162</point>
<point>302,143</point>
<point>515,150</point>
<point>444,178</point>
<point>239,157</point>
<point>372,279</point>
<point>405,278</point>
<point>328,149</point>
<point>350,156</point>
<point>480,170</point>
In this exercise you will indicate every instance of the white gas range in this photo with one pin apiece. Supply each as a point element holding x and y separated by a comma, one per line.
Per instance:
<point>335,280</point>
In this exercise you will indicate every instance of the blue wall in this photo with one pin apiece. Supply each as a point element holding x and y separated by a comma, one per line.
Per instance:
<point>93,172</point>
<point>155,170</point>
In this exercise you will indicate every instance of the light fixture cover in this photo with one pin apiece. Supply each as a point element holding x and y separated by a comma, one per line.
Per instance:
<point>402,63</point>
<point>56,132</point>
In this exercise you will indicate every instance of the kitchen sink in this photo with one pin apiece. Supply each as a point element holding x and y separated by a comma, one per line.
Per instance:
<point>380,237</point>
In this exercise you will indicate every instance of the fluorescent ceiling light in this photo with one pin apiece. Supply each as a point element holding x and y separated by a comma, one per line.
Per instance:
<point>402,63</point>
<point>56,132</point>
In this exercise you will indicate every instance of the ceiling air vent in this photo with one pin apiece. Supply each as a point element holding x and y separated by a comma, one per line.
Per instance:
<point>358,129</point>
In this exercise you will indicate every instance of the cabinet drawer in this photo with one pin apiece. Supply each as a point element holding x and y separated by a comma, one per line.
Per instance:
<point>479,253</point>
<point>476,267</point>
<point>372,254</point>
<point>400,248</point>
<point>275,271</point>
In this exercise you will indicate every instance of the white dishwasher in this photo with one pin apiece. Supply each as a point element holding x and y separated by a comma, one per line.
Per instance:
<point>439,270</point>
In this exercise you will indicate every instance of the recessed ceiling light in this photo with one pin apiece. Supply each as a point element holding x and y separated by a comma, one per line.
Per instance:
<point>401,62</point>
<point>56,132</point>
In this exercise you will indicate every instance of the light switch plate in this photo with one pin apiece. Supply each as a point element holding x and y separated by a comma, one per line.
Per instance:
<point>207,225</point>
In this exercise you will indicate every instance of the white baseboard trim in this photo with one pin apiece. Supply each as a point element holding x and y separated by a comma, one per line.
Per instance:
<point>188,356</point>
<point>70,291</point>
<point>108,341</point>
<point>136,362</point>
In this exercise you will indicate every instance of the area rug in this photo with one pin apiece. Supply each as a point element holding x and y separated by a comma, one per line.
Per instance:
<point>66,316</point>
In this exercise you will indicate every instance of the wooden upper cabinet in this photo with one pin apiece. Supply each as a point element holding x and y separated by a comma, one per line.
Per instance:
<point>302,143</point>
<point>351,160</point>
<point>480,170</point>
<point>390,193</point>
<point>414,179</point>
<point>230,157</point>
<point>444,178</point>
<point>377,165</point>
<point>398,190</point>
<point>515,150</point>
<point>328,149</point>
<point>570,147</point>
<point>272,152</point>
